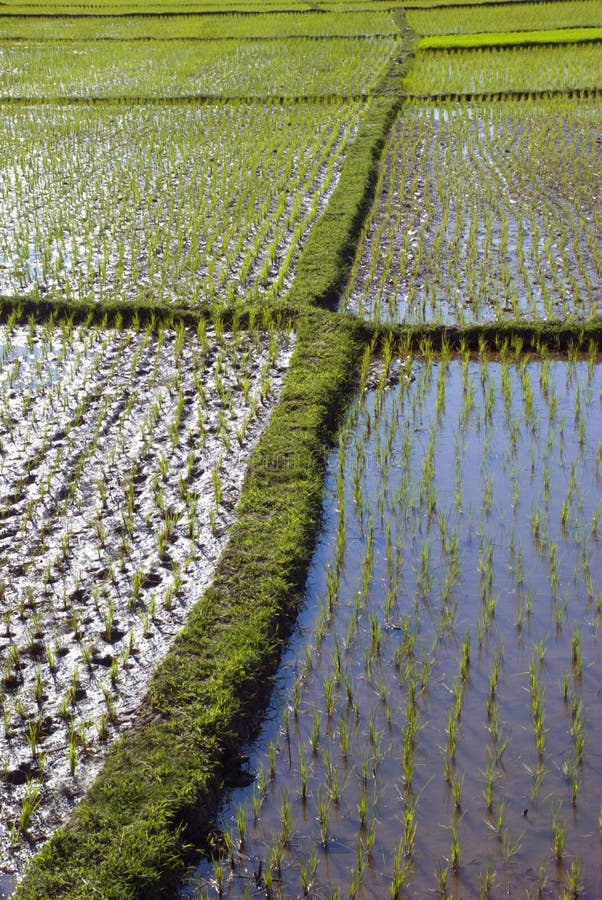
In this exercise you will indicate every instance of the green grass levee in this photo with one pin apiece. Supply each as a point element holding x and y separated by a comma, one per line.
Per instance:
<point>330,247</point>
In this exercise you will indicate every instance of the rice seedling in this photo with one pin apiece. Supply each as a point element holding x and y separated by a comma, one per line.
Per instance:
<point>558,835</point>
<point>487,881</point>
<point>401,873</point>
<point>451,735</point>
<point>324,802</point>
<point>315,732</point>
<point>574,878</point>
<point>441,873</point>
<point>241,824</point>
<point>285,818</point>
<point>30,804</point>
<point>362,808</point>
<point>489,779</point>
<point>576,655</point>
<point>72,753</point>
<point>455,853</point>
<point>456,788</point>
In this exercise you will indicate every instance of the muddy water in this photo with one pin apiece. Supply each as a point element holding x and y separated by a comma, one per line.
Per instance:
<point>436,650</point>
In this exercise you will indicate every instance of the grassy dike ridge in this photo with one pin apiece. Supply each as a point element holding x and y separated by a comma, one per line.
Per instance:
<point>323,265</point>
<point>526,337</point>
<point>160,786</point>
<point>134,314</point>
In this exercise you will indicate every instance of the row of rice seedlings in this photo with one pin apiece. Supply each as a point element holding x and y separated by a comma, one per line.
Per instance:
<point>300,67</point>
<point>415,695</point>
<point>518,16</point>
<point>204,26</point>
<point>122,457</point>
<point>243,193</point>
<point>520,70</point>
<point>474,232</point>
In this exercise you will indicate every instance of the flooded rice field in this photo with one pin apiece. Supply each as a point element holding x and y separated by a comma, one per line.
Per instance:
<point>246,183</point>
<point>482,215</point>
<point>437,726</point>
<point>122,457</point>
<point>156,68</point>
<point>556,67</point>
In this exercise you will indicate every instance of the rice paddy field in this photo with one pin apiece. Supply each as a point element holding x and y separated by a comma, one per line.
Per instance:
<point>300,411</point>
<point>200,27</point>
<point>497,18</point>
<point>486,70</point>
<point>439,718</point>
<point>495,221</point>
<point>149,164</point>
<point>132,240</point>
<point>168,69</point>
<point>122,461</point>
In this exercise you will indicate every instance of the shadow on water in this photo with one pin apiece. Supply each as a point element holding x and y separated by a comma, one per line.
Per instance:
<point>8,885</point>
<point>437,723</point>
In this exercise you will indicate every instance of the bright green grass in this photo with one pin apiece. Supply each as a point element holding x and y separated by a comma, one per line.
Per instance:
<point>147,69</point>
<point>509,39</point>
<point>198,26</point>
<point>499,70</point>
<point>506,17</point>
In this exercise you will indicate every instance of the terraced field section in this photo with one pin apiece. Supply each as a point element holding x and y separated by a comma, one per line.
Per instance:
<point>169,69</point>
<point>439,714</point>
<point>123,456</point>
<point>207,205</point>
<point>185,202</point>
<point>497,18</point>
